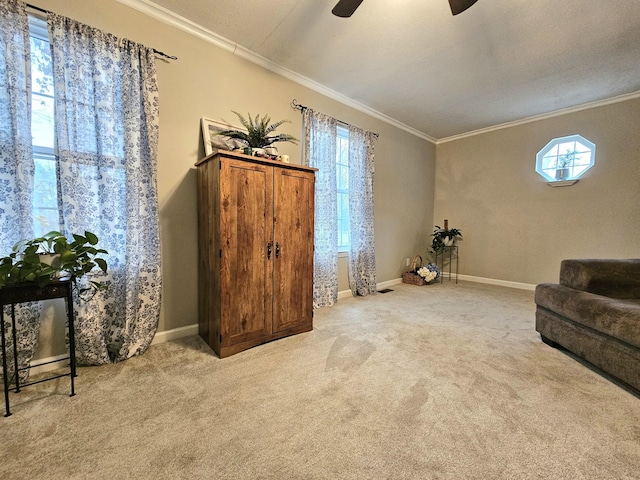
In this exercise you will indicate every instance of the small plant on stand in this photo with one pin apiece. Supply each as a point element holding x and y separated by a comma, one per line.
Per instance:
<point>444,237</point>
<point>50,257</point>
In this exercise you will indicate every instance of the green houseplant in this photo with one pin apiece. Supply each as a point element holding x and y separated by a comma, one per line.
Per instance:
<point>43,259</point>
<point>444,237</point>
<point>258,132</point>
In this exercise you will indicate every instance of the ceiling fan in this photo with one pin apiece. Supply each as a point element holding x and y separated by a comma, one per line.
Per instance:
<point>345,8</point>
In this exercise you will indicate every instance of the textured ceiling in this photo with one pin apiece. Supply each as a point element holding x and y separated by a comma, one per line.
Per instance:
<point>500,61</point>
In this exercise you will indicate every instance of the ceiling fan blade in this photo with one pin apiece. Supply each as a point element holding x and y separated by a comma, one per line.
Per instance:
<point>345,8</point>
<point>459,6</point>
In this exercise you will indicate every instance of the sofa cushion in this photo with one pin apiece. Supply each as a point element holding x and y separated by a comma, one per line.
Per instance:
<point>616,278</point>
<point>619,318</point>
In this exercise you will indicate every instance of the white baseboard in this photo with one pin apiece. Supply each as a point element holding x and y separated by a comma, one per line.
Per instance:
<point>160,337</point>
<point>468,278</point>
<point>493,281</point>
<point>50,366</point>
<point>389,283</point>
<point>379,286</point>
<point>175,333</point>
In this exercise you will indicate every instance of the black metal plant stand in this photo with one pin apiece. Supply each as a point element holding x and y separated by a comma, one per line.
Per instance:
<point>26,292</point>
<point>453,252</point>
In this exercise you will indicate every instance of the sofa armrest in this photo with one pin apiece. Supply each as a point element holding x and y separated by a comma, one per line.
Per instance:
<point>615,278</point>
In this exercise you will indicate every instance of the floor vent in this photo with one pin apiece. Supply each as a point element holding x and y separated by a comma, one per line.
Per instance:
<point>385,290</point>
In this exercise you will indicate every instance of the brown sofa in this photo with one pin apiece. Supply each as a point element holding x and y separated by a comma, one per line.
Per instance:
<point>594,312</point>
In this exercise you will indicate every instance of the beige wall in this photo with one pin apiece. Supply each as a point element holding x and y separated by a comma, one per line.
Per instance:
<point>208,81</point>
<point>517,228</point>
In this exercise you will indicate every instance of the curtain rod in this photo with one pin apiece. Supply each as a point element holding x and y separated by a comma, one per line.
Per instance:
<point>296,106</point>
<point>157,52</point>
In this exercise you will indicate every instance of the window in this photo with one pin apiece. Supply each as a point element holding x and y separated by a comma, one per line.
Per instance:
<point>342,180</point>
<point>45,198</point>
<point>566,158</point>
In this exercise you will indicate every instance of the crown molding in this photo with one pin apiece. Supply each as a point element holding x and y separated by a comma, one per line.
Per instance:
<point>181,23</point>
<point>170,18</point>
<point>187,26</point>
<point>544,116</point>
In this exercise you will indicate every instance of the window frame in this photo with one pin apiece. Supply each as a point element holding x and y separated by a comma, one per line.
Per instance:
<point>42,223</point>
<point>549,166</point>
<point>342,189</point>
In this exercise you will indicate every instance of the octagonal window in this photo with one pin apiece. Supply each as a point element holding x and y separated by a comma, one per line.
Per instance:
<point>565,158</point>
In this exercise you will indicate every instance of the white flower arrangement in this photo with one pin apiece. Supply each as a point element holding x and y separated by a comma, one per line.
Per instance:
<point>427,274</point>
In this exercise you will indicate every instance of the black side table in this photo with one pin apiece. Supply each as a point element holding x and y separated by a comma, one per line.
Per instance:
<point>453,252</point>
<point>27,292</point>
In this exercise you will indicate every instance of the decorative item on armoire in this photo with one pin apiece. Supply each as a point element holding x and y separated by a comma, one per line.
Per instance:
<point>214,141</point>
<point>257,135</point>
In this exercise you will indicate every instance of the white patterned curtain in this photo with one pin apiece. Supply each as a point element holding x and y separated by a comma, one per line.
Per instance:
<point>320,152</point>
<point>106,120</point>
<point>16,162</point>
<point>362,258</point>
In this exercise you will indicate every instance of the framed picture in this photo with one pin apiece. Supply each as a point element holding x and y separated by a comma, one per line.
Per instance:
<point>213,141</point>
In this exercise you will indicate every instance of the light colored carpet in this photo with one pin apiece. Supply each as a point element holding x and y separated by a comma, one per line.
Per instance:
<point>435,382</point>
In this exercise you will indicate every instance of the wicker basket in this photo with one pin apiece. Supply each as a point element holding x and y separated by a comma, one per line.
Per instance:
<point>413,278</point>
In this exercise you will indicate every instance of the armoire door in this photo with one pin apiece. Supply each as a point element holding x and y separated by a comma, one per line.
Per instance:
<point>246,229</point>
<point>293,242</point>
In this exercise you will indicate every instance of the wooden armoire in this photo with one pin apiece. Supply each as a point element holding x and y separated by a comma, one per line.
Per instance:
<point>255,250</point>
